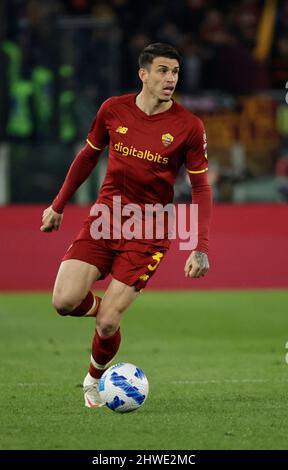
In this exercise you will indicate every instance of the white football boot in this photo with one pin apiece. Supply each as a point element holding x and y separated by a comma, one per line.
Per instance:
<point>91,392</point>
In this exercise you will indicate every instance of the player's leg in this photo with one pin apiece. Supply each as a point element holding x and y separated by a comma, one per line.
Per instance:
<point>85,261</point>
<point>132,271</point>
<point>106,342</point>
<point>72,295</point>
<point>107,338</point>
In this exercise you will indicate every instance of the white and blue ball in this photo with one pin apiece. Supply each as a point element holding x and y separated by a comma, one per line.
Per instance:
<point>123,387</point>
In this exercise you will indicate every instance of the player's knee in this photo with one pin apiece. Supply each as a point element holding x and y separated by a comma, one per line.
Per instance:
<point>106,327</point>
<point>62,305</point>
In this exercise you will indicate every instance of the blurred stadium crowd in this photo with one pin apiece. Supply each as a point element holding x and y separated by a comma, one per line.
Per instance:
<point>217,39</point>
<point>60,59</point>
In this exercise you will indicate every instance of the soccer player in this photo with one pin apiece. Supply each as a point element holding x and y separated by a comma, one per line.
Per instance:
<point>150,136</point>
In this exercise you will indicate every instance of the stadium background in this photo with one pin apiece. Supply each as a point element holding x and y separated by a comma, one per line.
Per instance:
<point>58,61</point>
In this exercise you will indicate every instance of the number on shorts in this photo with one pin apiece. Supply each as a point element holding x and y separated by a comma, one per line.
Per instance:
<point>157,257</point>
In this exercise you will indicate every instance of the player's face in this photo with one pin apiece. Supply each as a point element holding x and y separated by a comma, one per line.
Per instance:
<point>161,77</point>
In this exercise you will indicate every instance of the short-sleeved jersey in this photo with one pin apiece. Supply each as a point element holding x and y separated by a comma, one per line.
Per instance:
<point>146,152</point>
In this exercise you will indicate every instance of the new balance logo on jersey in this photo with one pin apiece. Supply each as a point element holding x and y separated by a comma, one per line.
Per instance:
<point>122,130</point>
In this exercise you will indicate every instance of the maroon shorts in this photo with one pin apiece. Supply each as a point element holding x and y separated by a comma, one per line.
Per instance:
<point>128,261</point>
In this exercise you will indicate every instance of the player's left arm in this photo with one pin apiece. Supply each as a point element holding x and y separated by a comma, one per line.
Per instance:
<point>197,263</point>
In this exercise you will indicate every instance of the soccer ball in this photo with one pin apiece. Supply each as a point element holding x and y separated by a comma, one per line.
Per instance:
<point>123,387</point>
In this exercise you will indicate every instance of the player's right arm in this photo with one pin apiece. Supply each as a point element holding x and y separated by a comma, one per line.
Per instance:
<point>51,220</point>
<point>79,171</point>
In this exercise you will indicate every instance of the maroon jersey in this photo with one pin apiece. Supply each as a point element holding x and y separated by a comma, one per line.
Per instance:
<point>146,152</point>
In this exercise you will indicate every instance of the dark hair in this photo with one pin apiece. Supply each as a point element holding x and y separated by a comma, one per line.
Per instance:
<point>157,49</point>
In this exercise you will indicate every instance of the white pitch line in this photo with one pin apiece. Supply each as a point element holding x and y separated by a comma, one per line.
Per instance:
<point>25,384</point>
<point>174,382</point>
<point>212,381</point>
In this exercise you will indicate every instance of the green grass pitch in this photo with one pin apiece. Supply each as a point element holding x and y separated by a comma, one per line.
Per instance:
<point>215,363</point>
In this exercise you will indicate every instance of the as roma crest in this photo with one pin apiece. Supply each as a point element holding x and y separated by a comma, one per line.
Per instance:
<point>167,139</point>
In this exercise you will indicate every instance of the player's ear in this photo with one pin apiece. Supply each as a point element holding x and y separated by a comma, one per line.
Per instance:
<point>143,73</point>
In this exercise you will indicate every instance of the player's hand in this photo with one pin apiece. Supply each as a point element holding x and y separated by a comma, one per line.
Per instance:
<point>197,264</point>
<point>51,220</point>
